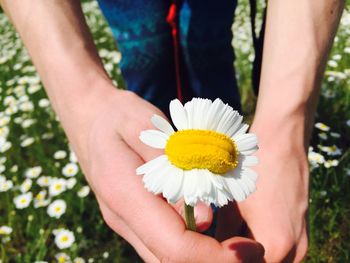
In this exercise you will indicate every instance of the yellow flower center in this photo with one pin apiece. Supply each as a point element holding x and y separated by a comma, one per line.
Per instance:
<point>202,149</point>
<point>64,239</point>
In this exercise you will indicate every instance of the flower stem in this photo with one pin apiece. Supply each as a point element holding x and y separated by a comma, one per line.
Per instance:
<point>189,216</point>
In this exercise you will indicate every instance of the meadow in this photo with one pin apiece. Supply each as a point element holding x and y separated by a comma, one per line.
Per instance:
<point>46,207</point>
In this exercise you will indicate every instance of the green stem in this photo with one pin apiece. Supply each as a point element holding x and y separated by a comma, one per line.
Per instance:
<point>189,216</point>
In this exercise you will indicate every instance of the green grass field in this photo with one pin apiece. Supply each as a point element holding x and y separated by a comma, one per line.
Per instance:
<point>38,167</point>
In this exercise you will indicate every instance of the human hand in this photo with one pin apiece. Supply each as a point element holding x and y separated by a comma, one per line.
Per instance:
<point>276,213</point>
<point>109,152</point>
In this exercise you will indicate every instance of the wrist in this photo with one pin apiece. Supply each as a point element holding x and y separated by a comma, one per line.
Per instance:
<point>281,133</point>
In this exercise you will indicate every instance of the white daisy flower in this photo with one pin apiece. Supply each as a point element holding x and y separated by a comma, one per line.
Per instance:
<point>27,123</point>
<point>72,157</point>
<point>335,134</point>
<point>70,169</point>
<point>57,186</point>
<point>71,182</point>
<point>26,106</point>
<point>315,159</point>
<point>26,185</point>
<point>4,120</point>
<point>23,200</point>
<point>60,154</point>
<point>47,136</point>
<point>4,145</point>
<point>44,181</point>
<point>79,260</point>
<point>27,142</point>
<point>64,238</point>
<point>57,208</point>
<point>5,230</point>
<point>40,201</point>
<point>33,172</point>
<point>44,103</point>
<point>331,163</point>
<point>84,191</point>
<point>323,135</point>
<point>2,168</point>
<point>321,126</point>
<point>5,185</point>
<point>14,168</point>
<point>330,150</point>
<point>62,258</point>
<point>34,88</point>
<point>4,131</point>
<point>208,159</point>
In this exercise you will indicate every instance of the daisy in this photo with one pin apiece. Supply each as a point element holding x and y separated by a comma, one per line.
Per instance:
<point>331,163</point>
<point>5,230</point>
<point>57,208</point>
<point>70,169</point>
<point>40,199</point>
<point>44,181</point>
<point>71,182</point>
<point>63,238</point>
<point>79,260</point>
<point>62,258</point>
<point>23,200</point>
<point>33,172</point>
<point>26,185</point>
<point>84,191</point>
<point>5,185</point>
<point>321,126</point>
<point>60,154</point>
<point>57,186</point>
<point>206,160</point>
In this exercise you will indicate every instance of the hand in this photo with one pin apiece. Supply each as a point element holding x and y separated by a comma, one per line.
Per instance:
<point>275,213</point>
<point>109,152</point>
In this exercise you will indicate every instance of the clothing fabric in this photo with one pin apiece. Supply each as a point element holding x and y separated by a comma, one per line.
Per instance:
<point>144,38</point>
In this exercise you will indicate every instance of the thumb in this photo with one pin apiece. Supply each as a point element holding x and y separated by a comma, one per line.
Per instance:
<point>203,214</point>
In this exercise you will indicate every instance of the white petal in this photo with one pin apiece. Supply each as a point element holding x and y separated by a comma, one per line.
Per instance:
<point>173,189</point>
<point>190,184</point>
<point>235,189</point>
<point>251,174</point>
<point>159,179</point>
<point>246,142</point>
<point>248,160</point>
<point>162,124</point>
<point>197,109</point>
<point>214,114</point>
<point>178,115</point>
<point>241,130</point>
<point>216,180</point>
<point>249,183</point>
<point>235,126</point>
<point>189,108</point>
<point>151,165</point>
<point>227,120</point>
<point>154,138</point>
<point>221,198</point>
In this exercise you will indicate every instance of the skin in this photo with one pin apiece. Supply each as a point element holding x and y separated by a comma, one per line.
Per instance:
<point>103,130</point>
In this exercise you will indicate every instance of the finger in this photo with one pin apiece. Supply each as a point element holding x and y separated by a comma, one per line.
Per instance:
<point>203,214</point>
<point>154,222</point>
<point>120,227</point>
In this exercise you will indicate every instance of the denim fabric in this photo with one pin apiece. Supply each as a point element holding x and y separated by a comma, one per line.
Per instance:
<point>144,38</point>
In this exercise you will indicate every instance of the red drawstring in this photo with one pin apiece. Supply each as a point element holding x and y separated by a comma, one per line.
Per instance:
<point>172,20</point>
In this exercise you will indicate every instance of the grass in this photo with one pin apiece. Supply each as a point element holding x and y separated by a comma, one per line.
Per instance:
<point>28,142</point>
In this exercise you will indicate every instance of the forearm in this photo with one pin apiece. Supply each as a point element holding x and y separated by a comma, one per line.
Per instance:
<point>299,34</point>
<point>59,42</point>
